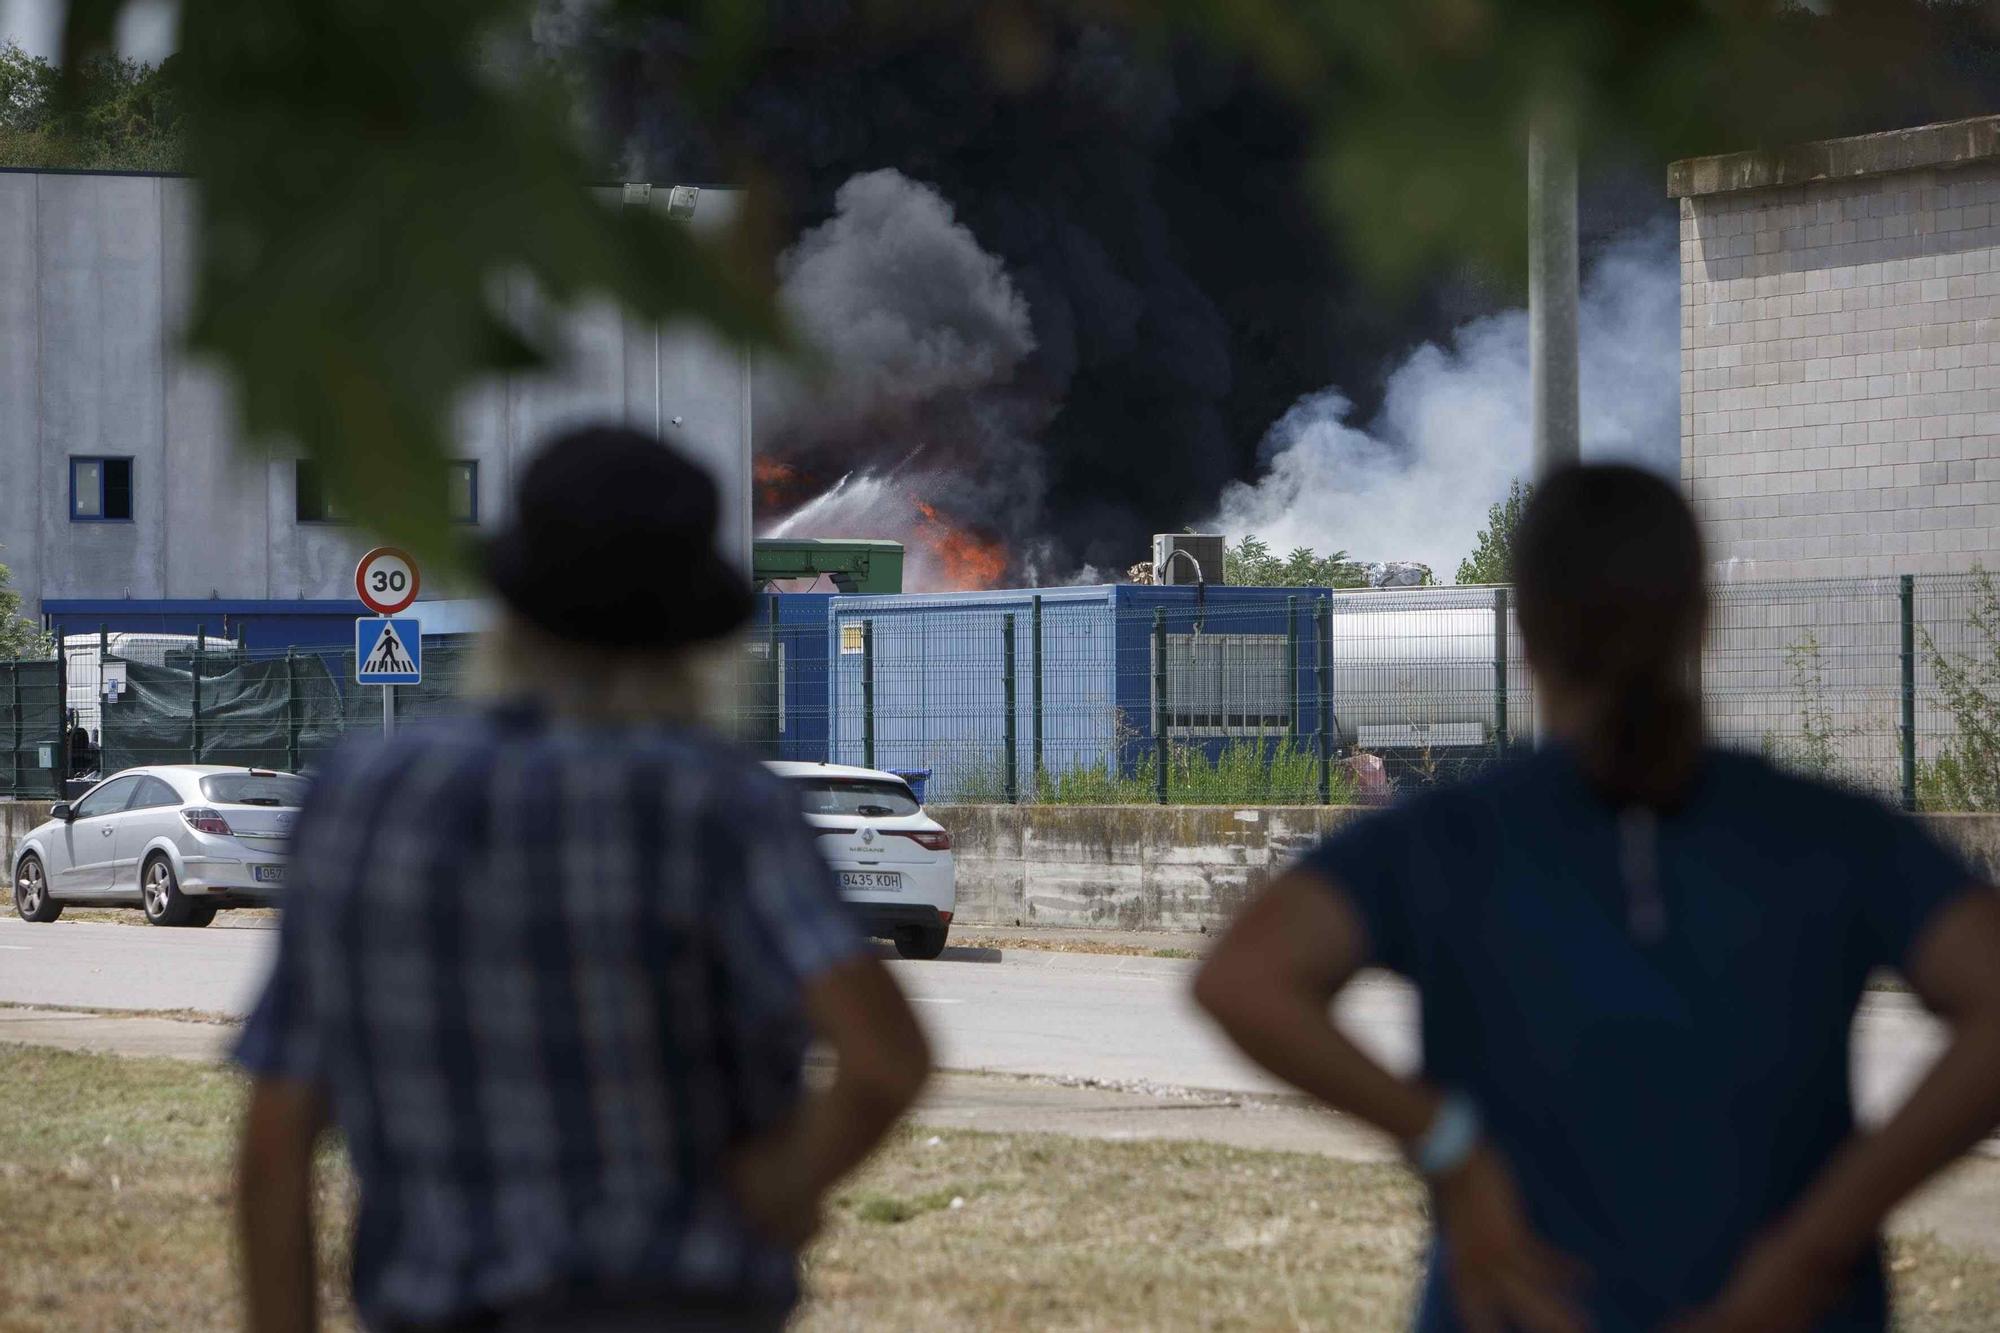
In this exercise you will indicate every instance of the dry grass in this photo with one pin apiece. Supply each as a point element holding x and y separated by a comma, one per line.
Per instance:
<point>114,1187</point>
<point>1058,1233</point>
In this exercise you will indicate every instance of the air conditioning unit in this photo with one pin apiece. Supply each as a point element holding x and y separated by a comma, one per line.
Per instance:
<point>1187,557</point>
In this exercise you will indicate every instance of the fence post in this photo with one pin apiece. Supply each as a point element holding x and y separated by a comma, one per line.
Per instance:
<point>1324,683</point>
<point>14,755</point>
<point>103,656</point>
<point>868,694</point>
<point>1160,705</point>
<point>1500,673</point>
<point>292,720</point>
<point>1035,691</point>
<point>1010,694</point>
<point>200,656</point>
<point>1292,671</point>
<point>61,775</point>
<point>1909,692</point>
<point>777,676</point>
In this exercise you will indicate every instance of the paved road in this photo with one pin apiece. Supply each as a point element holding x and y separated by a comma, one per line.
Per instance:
<point>1124,1021</point>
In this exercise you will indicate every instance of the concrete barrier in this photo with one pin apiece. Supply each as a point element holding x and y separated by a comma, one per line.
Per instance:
<point>1150,867</point>
<point>1139,867</point>
<point>17,819</point>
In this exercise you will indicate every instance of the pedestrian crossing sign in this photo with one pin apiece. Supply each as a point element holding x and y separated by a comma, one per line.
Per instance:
<point>388,651</point>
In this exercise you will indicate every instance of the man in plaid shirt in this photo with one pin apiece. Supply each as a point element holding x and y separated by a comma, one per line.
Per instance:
<point>551,968</point>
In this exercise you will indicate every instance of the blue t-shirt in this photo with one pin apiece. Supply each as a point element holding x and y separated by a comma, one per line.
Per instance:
<point>1663,1091</point>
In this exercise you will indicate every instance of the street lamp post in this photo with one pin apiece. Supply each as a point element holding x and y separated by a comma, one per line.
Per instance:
<point>1552,301</point>
<point>1552,291</point>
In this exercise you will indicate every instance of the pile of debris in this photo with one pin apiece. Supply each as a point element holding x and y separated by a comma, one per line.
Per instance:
<point>1381,574</point>
<point>1398,574</point>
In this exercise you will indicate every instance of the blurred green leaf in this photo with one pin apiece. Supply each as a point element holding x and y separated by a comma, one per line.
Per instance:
<point>1422,108</point>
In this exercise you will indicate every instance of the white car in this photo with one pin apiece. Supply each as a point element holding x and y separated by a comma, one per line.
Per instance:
<point>894,861</point>
<point>177,841</point>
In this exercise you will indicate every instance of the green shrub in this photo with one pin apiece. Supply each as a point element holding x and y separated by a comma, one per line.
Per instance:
<point>1966,773</point>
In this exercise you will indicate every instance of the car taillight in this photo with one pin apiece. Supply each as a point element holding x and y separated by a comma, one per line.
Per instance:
<point>938,841</point>
<point>204,820</point>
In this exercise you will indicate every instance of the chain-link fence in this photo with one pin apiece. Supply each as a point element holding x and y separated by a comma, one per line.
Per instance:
<point>1129,694</point>
<point>1125,694</point>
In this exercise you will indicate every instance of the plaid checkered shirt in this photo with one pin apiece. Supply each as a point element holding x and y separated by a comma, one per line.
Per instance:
<point>547,976</point>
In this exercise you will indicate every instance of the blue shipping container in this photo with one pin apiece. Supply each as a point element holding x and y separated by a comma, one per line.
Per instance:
<point>924,681</point>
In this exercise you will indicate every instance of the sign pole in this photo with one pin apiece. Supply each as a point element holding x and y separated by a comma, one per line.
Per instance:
<point>386,581</point>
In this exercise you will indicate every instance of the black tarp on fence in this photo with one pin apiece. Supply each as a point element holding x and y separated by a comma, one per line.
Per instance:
<point>31,715</point>
<point>270,713</point>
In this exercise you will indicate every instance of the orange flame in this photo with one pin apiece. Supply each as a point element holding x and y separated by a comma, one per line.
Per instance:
<point>780,486</point>
<point>962,559</point>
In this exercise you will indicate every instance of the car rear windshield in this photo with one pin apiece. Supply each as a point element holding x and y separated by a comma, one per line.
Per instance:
<point>867,797</point>
<point>254,789</point>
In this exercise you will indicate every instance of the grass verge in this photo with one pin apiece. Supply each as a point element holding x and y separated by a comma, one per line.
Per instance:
<point>114,1193</point>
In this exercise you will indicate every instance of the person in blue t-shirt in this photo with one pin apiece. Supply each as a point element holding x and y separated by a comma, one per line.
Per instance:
<point>1638,960</point>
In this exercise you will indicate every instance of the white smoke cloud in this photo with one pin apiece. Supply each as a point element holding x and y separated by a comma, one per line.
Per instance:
<point>1416,483</point>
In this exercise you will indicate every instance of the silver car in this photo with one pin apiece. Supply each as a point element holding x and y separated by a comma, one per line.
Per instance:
<point>177,841</point>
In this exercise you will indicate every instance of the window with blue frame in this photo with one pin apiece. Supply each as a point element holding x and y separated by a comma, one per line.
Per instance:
<point>462,490</point>
<point>100,490</point>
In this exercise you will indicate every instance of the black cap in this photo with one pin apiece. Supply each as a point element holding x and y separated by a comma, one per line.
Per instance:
<point>612,544</point>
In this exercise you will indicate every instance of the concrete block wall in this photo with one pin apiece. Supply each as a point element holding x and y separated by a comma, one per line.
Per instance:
<point>1840,358</point>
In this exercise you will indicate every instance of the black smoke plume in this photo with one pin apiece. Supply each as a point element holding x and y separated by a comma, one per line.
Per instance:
<point>1151,211</point>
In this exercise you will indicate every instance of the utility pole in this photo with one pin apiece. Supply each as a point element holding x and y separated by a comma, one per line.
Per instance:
<point>1552,301</point>
<point>1552,290</point>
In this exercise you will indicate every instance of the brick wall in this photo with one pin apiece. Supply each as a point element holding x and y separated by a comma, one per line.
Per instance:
<point>1840,388</point>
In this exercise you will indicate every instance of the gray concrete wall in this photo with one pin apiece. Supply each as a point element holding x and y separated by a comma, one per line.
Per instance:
<point>1124,867</point>
<point>95,277</point>
<point>17,820</point>
<point>1183,868</point>
<point>1840,353</point>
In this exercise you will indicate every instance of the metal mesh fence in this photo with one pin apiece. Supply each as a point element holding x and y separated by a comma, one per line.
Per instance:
<point>1086,696</point>
<point>1172,695</point>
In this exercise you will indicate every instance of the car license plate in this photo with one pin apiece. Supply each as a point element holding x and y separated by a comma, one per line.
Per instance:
<point>880,880</point>
<point>269,874</point>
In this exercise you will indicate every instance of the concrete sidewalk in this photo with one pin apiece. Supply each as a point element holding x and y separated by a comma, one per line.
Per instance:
<point>110,1033</point>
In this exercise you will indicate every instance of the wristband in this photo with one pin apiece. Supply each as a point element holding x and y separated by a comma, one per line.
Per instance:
<point>1453,1134</point>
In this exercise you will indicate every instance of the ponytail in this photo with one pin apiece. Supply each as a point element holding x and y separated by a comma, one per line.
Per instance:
<point>1643,744</point>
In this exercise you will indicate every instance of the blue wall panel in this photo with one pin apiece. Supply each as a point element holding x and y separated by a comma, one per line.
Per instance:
<point>939,693</point>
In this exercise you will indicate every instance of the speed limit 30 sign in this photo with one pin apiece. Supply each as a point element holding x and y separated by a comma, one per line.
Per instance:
<point>386,580</point>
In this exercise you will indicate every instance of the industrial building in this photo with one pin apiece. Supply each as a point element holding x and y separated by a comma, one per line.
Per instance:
<point>128,503</point>
<point>1840,353</point>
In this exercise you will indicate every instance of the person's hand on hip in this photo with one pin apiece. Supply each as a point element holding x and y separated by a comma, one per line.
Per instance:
<point>1502,1274</point>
